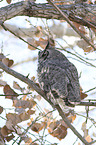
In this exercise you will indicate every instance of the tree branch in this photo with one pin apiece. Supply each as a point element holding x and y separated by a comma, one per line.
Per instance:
<point>61,113</point>
<point>7,29</point>
<point>70,23</point>
<point>39,91</point>
<point>87,103</point>
<point>76,12</point>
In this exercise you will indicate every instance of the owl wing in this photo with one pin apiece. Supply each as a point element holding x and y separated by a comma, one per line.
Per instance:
<point>54,81</point>
<point>60,83</point>
<point>73,85</point>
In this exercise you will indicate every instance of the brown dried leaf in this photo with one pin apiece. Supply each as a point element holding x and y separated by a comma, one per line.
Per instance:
<point>24,103</point>
<point>32,103</point>
<point>60,132</point>
<point>9,125</point>
<point>5,131</point>
<point>8,1</point>
<point>11,94</point>
<point>83,95</point>
<point>29,123</point>
<point>52,126</point>
<point>72,118</point>
<point>42,42</point>
<point>16,86</point>
<point>24,116</point>
<point>10,137</point>
<point>27,140</point>
<point>5,60</point>
<point>30,112</point>
<point>58,129</point>
<point>21,104</point>
<point>85,130</point>
<point>39,33</point>
<point>1,109</point>
<point>38,126</point>
<point>8,62</point>
<point>33,79</point>
<point>88,138</point>
<point>33,42</point>
<point>83,126</point>
<point>2,83</point>
<point>14,118</point>
<point>84,45</point>
<point>80,28</point>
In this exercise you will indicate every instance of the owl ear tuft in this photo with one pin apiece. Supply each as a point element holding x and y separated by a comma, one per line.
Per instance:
<point>47,46</point>
<point>50,44</point>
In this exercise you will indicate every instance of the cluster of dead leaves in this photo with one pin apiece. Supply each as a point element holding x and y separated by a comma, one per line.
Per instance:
<point>55,128</point>
<point>86,135</point>
<point>12,119</point>
<point>6,134</point>
<point>41,42</point>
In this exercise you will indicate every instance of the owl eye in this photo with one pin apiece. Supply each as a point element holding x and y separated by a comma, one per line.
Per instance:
<point>45,54</point>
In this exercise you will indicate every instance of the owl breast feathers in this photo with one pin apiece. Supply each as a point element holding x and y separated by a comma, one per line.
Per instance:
<point>58,77</point>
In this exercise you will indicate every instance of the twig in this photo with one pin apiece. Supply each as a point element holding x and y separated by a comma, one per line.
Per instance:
<point>91,119</point>
<point>69,125</point>
<point>15,94</point>
<point>87,104</point>
<point>23,79</point>
<point>7,29</point>
<point>39,91</point>
<point>90,90</point>
<point>69,22</point>
<point>76,55</point>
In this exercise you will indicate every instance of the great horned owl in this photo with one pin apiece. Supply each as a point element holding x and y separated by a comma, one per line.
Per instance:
<point>58,77</point>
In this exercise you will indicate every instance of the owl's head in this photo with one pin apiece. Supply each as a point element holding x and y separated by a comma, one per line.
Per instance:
<point>47,53</point>
<point>51,54</point>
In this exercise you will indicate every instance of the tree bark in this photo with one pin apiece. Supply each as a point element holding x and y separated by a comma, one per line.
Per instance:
<point>83,14</point>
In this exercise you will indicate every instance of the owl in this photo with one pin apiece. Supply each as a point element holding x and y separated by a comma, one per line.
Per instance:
<point>58,77</point>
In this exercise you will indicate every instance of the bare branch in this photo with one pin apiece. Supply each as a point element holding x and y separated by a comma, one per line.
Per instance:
<point>7,29</point>
<point>75,12</point>
<point>87,104</point>
<point>39,91</point>
<point>70,23</point>
<point>61,113</point>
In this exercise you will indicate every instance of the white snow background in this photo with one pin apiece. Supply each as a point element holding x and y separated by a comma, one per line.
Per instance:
<point>18,51</point>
